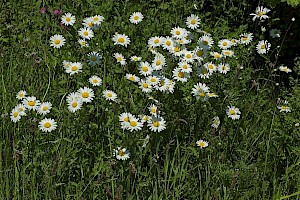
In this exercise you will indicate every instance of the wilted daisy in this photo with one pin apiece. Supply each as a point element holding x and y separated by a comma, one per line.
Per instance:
<point>83,43</point>
<point>233,112</point>
<point>136,17</point>
<point>145,68</point>
<point>178,32</point>
<point>260,13</point>
<point>121,153</point>
<point>74,103</point>
<point>224,44</point>
<point>121,39</point>
<point>86,33</point>
<point>95,80</point>
<point>223,68</point>
<point>15,115</point>
<point>109,95</point>
<point>202,143</point>
<point>275,33</point>
<point>215,122</point>
<point>120,58</point>
<point>21,94</point>
<point>192,21</point>
<point>246,38</point>
<point>205,42</point>
<point>145,86</point>
<point>44,108</point>
<point>200,91</point>
<point>285,69</point>
<point>47,125</point>
<point>74,68</point>
<point>31,103</point>
<point>86,94</point>
<point>157,124</point>
<point>135,58</point>
<point>94,58</point>
<point>263,46</point>
<point>68,19</point>
<point>57,41</point>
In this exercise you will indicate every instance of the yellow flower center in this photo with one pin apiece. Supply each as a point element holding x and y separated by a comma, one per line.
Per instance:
<point>217,55</point>
<point>244,38</point>
<point>176,49</point>
<point>188,56</point>
<point>263,46</point>
<point>158,62</point>
<point>85,95</point>
<point>168,43</point>
<point>95,81</point>
<point>133,123</point>
<point>119,59</point>
<point>56,42</point>
<point>74,104</point>
<point>204,71</point>
<point>200,53</point>
<point>136,17</point>
<point>16,114</point>
<point>284,107</point>
<point>162,83</point>
<point>145,85</point>
<point>85,33</point>
<point>193,21</point>
<point>47,125</point>
<point>90,24</point>
<point>21,109</point>
<point>156,123</point>
<point>126,119</point>
<point>94,58</point>
<point>121,40</point>
<point>184,66</point>
<point>201,94</point>
<point>223,67</point>
<point>261,13</point>
<point>177,32</point>
<point>227,52</point>
<point>68,19</point>
<point>131,78</point>
<point>21,95</point>
<point>180,74</point>
<point>232,112</point>
<point>45,108</point>
<point>153,80</point>
<point>95,18</point>
<point>121,153</point>
<point>210,66</point>
<point>205,42</point>
<point>201,144</point>
<point>31,103</point>
<point>225,44</point>
<point>74,68</point>
<point>144,69</point>
<point>156,41</point>
<point>153,110</point>
<point>109,94</point>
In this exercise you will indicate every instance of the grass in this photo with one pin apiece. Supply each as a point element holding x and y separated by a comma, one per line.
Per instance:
<point>256,157</point>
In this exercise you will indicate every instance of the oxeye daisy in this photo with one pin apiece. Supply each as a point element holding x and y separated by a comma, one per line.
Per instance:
<point>155,41</point>
<point>188,56</point>
<point>178,32</point>
<point>74,103</point>
<point>192,21</point>
<point>178,75</point>
<point>199,54</point>
<point>233,112</point>
<point>97,19</point>
<point>157,124</point>
<point>124,119</point>
<point>121,153</point>
<point>73,95</point>
<point>68,19</point>
<point>136,17</point>
<point>44,108</point>
<point>182,41</point>
<point>205,42</point>
<point>153,80</point>
<point>200,91</point>
<point>223,68</point>
<point>185,67</point>
<point>234,42</point>
<point>109,95</point>
<point>203,72</point>
<point>74,68</point>
<point>145,86</point>
<point>21,108</point>
<point>263,47</point>
<point>260,13</point>
<point>95,80</point>
<point>227,53</point>
<point>31,103</point>
<point>47,125</point>
<point>216,55</point>
<point>153,110</point>
<point>120,58</point>
<point>86,33</point>
<point>215,122</point>
<point>86,94</point>
<point>246,38</point>
<point>57,41</point>
<point>83,43</point>
<point>202,143</point>
<point>145,69</point>
<point>212,95</point>
<point>132,78</point>
<point>284,108</point>
<point>94,58</point>
<point>145,118</point>
<point>88,23</point>
<point>224,44</point>
<point>167,43</point>
<point>15,115</point>
<point>134,124</point>
<point>176,51</point>
<point>158,62</point>
<point>285,69</point>
<point>135,58</point>
<point>21,94</point>
<point>170,86</point>
<point>121,39</point>
<point>211,67</point>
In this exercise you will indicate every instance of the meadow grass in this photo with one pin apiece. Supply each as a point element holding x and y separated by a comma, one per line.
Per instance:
<point>255,157</point>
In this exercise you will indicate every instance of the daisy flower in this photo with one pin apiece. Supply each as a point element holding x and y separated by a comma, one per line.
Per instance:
<point>145,68</point>
<point>285,69</point>
<point>145,86</point>
<point>83,43</point>
<point>275,33</point>
<point>121,153</point>
<point>94,58</point>
<point>15,115</point>
<point>21,108</point>
<point>135,58</point>
<point>145,118</point>
<point>178,75</point>
<point>203,72</point>
<point>233,112</point>
<point>74,104</point>
<point>223,68</point>
<point>284,108</point>
<point>120,58</point>
<point>178,32</point>
<point>192,21</point>
<point>227,53</point>
<point>97,19</point>
<point>134,124</point>
<point>88,23</point>
<point>74,68</point>
<point>216,55</point>
<point>205,42</point>
<point>199,54</point>
<point>21,94</point>
<point>136,17</point>
<point>212,95</point>
<point>200,91</point>
<point>211,67</point>
<point>109,95</point>
<point>124,119</point>
<point>68,19</point>
<point>260,13</point>
<point>57,41</point>
<point>263,46</point>
<point>132,77</point>
<point>158,62</point>
<point>170,86</point>
<point>153,110</point>
<point>47,125</point>
<point>95,80</point>
<point>153,80</point>
<point>185,67</point>
<point>157,124</point>
<point>31,103</point>
<point>86,94</point>
<point>188,56</point>
<point>155,41</point>
<point>176,51</point>
<point>121,39</point>
<point>44,108</point>
<point>215,122</point>
<point>246,38</point>
<point>224,44</point>
<point>86,33</point>
<point>167,43</point>
<point>202,143</point>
